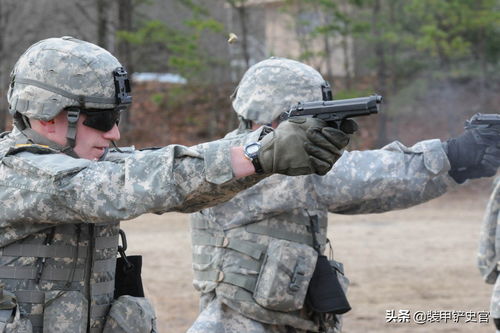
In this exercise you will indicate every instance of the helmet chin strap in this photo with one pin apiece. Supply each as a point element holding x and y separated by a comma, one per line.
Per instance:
<point>36,138</point>
<point>245,124</point>
<point>23,124</point>
<point>103,156</point>
<point>72,115</point>
<point>116,147</point>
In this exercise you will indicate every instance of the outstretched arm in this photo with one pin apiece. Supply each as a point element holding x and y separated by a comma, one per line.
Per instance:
<point>393,177</point>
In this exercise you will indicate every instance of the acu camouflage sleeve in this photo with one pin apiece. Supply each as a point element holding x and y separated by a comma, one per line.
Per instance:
<point>489,241</point>
<point>393,177</point>
<point>174,178</point>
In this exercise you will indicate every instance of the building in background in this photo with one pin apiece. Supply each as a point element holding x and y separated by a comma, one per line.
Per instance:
<point>293,30</point>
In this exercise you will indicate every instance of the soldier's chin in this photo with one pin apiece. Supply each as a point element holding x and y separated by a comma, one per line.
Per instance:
<point>98,152</point>
<point>93,154</point>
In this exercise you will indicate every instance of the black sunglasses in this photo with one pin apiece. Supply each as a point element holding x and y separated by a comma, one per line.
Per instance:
<point>102,119</point>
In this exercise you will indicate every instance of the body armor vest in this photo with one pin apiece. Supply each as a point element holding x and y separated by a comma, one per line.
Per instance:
<point>243,264</point>
<point>59,272</point>
<point>257,252</point>
<point>57,262</point>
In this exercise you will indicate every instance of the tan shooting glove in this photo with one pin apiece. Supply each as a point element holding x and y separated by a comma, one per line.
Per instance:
<point>301,146</point>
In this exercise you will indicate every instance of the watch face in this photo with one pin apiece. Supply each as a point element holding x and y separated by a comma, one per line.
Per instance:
<point>252,149</point>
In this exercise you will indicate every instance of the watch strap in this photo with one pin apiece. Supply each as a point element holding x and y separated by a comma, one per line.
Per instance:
<point>253,156</point>
<point>257,165</point>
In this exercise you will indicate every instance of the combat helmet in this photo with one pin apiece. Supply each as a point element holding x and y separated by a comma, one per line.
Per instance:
<point>272,86</point>
<point>66,73</point>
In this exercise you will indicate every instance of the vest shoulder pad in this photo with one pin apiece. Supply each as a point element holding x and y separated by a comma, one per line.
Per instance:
<point>32,148</point>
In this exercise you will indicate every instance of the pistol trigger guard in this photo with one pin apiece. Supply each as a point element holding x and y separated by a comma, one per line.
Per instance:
<point>334,123</point>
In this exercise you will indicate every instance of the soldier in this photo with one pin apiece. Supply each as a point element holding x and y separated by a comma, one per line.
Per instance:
<point>63,194</point>
<point>254,256</point>
<point>489,251</point>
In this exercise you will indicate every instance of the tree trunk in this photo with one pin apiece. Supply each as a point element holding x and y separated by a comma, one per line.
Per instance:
<point>3,110</point>
<point>328,57</point>
<point>483,105</point>
<point>347,64</point>
<point>393,49</point>
<point>381,74</point>
<point>345,36</point>
<point>125,13</point>
<point>6,10</point>
<point>102,23</point>
<point>242,14</point>
<point>326,47</point>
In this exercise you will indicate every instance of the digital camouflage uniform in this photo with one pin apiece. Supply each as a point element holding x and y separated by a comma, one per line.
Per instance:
<point>79,203</point>
<point>248,252</point>
<point>489,248</point>
<point>59,221</point>
<point>279,207</point>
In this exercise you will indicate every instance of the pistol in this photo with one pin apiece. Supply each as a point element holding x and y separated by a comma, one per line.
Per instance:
<point>480,120</point>
<point>333,112</point>
<point>487,120</point>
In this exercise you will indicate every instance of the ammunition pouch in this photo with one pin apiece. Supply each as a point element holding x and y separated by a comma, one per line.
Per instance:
<point>7,308</point>
<point>285,275</point>
<point>130,315</point>
<point>10,315</point>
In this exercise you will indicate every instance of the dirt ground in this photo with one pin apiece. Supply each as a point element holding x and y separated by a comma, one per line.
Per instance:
<point>420,259</point>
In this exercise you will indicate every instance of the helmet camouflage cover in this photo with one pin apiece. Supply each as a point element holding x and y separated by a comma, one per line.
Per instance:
<point>56,73</point>
<point>272,86</point>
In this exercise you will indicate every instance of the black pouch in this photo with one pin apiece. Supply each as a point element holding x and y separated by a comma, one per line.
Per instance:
<point>128,279</point>
<point>497,323</point>
<point>325,294</point>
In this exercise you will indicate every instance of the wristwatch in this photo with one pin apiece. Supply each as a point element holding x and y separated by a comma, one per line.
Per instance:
<point>251,152</point>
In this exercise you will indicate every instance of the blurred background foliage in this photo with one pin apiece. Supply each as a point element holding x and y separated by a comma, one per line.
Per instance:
<point>435,62</point>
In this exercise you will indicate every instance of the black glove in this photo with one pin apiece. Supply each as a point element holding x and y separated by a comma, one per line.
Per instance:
<point>474,154</point>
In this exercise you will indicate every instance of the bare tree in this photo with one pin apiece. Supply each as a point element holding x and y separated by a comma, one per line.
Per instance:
<point>381,69</point>
<point>346,43</point>
<point>125,23</point>
<point>239,6</point>
<point>85,14</point>
<point>7,10</point>
<point>102,23</point>
<point>3,23</point>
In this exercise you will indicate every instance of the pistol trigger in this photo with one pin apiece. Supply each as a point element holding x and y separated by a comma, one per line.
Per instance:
<point>335,123</point>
